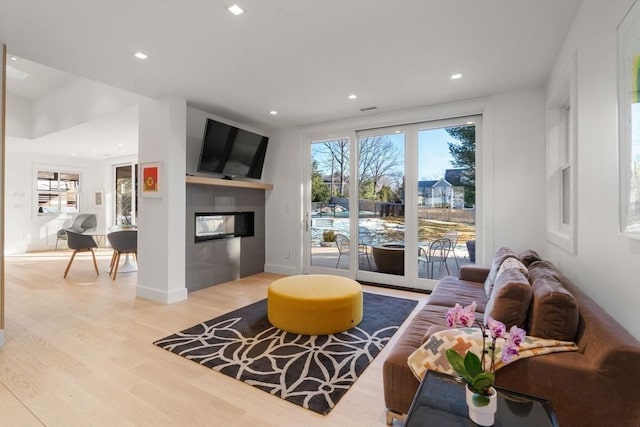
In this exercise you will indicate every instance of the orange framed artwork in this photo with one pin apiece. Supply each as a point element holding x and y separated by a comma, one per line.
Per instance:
<point>151,179</point>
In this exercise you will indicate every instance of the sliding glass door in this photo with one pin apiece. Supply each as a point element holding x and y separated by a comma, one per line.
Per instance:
<point>394,205</point>
<point>381,205</point>
<point>446,197</point>
<point>327,223</point>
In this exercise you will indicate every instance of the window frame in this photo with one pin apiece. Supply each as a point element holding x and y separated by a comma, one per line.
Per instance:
<point>562,136</point>
<point>37,170</point>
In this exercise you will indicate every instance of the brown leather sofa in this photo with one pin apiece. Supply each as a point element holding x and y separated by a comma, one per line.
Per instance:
<point>599,385</point>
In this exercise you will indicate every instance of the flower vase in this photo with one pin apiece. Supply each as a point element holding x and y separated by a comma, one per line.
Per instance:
<point>482,409</point>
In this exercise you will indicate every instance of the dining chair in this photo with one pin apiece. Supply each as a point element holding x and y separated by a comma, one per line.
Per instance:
<point>80,243</point>
<point>81,224</point>
<point>122,242</point>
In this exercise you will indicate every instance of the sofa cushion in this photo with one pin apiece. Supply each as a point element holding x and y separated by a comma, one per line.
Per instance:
<point>512,263</point>
<point>510,299</point>
<point>450,291</point>
<point>501,254</point>
<point>528,257</point>
<point>554,312</point>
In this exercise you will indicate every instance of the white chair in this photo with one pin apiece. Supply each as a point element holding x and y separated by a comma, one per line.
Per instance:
<point>453,236</point>
<point>342,242</point>
<point>436,253</point>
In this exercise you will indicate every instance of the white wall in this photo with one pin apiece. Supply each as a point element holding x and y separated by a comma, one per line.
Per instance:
<point>78,102</point>
<point>26,230</point>
<point>606,263</point>
<point>18,119</point>
<point>511,168</point>
<point>519,173</point>
<point>161,227</point>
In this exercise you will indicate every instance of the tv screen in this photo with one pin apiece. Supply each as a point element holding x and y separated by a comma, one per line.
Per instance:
<point>232,151</point>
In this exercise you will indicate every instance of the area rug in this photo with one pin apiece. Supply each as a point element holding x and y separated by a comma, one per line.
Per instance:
<point>311,371</point>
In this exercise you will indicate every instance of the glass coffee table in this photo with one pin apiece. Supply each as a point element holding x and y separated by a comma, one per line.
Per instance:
<point>440,401</point>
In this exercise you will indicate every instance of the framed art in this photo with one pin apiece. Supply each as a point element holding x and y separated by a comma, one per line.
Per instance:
<point>629,121</point>
<point>151,179</point>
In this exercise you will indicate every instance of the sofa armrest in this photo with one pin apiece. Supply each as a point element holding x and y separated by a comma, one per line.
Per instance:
<point>570,381</point>
<point>473,273</point>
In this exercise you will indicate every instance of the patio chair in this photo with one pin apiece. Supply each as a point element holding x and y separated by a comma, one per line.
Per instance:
<point>80,243</point>
<point>436,253</point>
<point>343,244</point>
<point>453,236</point>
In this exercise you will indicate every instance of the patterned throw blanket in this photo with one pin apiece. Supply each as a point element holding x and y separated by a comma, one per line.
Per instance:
<point>431,356</point>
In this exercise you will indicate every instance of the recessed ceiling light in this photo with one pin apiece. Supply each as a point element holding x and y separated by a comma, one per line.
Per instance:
<point>14,58</point>
<point>73,154</point>
<point>120,144</point>
<point>456,76</point>
<point>140,55</point>
<point>235,9</point>
<point>273,112</point>
<point>469,123</point>
<point>353,96</point>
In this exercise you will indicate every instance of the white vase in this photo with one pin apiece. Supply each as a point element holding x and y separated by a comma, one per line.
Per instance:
<point>482,415</point>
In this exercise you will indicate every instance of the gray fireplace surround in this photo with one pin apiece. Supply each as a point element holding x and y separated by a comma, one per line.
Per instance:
<point>223,244</point>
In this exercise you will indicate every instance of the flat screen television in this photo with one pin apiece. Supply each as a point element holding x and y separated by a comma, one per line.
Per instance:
<point>232,151</point>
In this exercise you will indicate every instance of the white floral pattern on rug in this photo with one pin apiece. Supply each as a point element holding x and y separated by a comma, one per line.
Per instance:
<point>310,371</point>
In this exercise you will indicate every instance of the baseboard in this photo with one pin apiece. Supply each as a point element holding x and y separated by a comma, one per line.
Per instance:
<point>161,296</point>
<point>281,269</point>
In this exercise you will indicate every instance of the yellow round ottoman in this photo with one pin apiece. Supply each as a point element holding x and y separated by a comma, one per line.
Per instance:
<point>314,304</point>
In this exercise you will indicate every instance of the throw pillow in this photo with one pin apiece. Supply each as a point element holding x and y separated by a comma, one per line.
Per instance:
<point>528,257</point>
<point>512,263</point>
<point>554,312</point>
<point>501,254</point>
<point>510,299</point>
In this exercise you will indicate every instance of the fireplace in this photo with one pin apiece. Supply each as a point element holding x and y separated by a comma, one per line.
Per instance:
<point>223,225</point>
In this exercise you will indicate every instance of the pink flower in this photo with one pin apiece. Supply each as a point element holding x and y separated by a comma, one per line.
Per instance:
<point>467,315</point>
<point>496,327</point>
<point>453,314</point>
<point>516,335</point>
<point>508,352</point>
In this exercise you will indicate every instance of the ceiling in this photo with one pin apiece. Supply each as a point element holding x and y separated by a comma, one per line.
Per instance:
<point>300,58</point>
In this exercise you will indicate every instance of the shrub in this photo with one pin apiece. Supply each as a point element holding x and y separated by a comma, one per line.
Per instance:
<point>328,236</point>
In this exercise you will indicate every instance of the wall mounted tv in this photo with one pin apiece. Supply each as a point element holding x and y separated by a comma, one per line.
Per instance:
<point>232,151</point>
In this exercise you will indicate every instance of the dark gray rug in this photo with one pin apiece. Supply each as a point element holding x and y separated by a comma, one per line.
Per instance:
<point>311,371</point>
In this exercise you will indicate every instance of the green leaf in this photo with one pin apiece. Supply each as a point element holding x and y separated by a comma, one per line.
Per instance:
<point>480,400</point>
<point>482,381</point>
<point>457,363</point>
<point>472,364</point>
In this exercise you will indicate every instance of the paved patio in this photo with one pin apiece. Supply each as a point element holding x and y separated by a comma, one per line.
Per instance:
<point>328,257</point>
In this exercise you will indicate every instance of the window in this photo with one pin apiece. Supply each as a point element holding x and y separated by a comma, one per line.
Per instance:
<point>561,163</point>
<point>57,192</point>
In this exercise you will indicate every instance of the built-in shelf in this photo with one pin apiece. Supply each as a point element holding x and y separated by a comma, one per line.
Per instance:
<point>228,182</point>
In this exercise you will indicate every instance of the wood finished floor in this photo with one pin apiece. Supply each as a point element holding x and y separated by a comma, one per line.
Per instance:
<point>79,352</point>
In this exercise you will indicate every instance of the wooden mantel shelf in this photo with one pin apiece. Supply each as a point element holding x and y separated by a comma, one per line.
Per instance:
<point>228,183</point>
